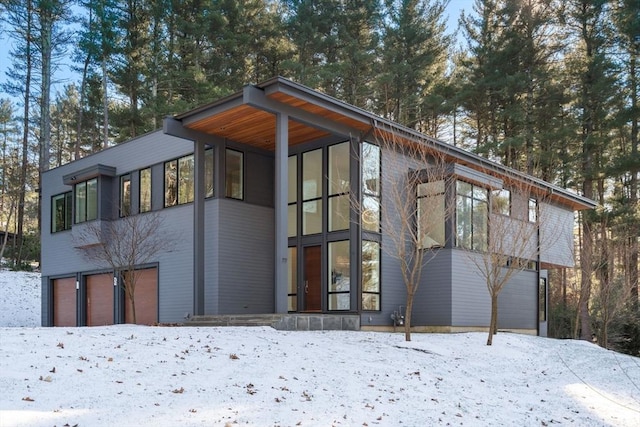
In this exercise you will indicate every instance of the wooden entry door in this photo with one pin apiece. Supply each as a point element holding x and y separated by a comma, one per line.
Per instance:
<point>312,278</point>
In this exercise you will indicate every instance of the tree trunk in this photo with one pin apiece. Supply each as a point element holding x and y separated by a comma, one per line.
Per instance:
<point>493,323</point>
<point>407,317</point>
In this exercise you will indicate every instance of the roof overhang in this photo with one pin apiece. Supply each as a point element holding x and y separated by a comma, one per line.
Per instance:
<point>249,117</point>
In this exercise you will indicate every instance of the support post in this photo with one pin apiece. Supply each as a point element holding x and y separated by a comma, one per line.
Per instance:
<point>198,229</point>
<point>280,204</point>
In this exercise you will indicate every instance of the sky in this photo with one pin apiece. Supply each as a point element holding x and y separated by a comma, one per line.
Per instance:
<point>197,376</point>
<point>64,75</point>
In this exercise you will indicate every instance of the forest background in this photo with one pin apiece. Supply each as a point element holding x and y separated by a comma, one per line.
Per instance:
<point>549,87</point>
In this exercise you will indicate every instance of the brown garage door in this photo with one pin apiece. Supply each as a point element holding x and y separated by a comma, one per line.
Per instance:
<point>64,302</point>
<point>99,299</point>
<point>145,298</point>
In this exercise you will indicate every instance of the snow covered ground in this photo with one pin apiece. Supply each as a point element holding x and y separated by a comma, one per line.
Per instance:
<point>169,376</point>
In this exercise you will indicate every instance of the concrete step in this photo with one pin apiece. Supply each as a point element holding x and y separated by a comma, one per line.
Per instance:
<point>283,322</point>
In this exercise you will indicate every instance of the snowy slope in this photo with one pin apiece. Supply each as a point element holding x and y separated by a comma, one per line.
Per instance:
<point>167,376</point>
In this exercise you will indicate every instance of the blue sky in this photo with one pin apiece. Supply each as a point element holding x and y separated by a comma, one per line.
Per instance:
<point>64,75</point>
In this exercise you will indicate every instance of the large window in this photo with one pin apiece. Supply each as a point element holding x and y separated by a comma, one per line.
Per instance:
<point>234,174</point>
<point>431,214</point>
<point>312,192</point>
<point>185,179</point>
<point>370,187</point>
<point>209,177</point>
<point>86,197</point>
<point>339,187</point>
<point>471,216</point>
<point>533,210</point>
<point>145,190</point>
<point>292,217</point>
<point>339,287</point>
<point>61,212</point>
<point>125,195</point>
<point>501,202</point>
<point>179,181</point>
<point>370,275</point>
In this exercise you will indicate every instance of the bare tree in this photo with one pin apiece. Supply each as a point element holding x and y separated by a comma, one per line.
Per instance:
<point>412,218</point>
<point>124,245</point>
<point>510,240</point>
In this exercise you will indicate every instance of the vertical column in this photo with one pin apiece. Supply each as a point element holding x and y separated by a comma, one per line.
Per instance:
<point>280,202</point>
<point>198,229</point>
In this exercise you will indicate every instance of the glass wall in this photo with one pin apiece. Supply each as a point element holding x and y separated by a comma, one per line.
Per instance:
<point>370,275</point>
<point>370,187</point>
<point>312,192</point>
<point>339,272</point>
<point>471,216</point>
<point>292,217</point>
<point>339,202</point>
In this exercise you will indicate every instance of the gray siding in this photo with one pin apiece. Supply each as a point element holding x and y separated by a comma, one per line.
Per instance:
<point>432,306</point>
<point>246,237</point>
<point>259,173</point>
<point>518,302</point>
<point>556,235</point>
<point>471,304</point>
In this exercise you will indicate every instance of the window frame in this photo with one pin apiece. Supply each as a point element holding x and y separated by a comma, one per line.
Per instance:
<point>439,197</point>
<point>125,205</point>
<point>498,195</point>
<point>377,293</point>
<point>67,211</point>
<point>475,202</point>
<point>533,210</point>
<point>142,200</point>
<point>333,278</point>
<point>371,197</point>
<point>229,191</point>
<point>84,213</point>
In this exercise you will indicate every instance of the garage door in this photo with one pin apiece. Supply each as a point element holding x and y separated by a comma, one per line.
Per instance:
<point>145,297</point>
<point>99,299</point>
<point>64,302</point>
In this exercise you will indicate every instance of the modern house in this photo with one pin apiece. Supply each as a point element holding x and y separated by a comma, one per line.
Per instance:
<point>255,192</point>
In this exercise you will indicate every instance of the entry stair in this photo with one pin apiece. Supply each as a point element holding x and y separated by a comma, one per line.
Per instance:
<point>282,322</point>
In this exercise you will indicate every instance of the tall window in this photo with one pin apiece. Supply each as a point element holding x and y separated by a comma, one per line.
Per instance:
<point>339,186</point>
<point>61,212</point>
<point>312,192</point>
<point>185,179</point>
<point>339,286</point>
<point>471,216</point>
<point>234,174</point>
<point>501,202</point>
<point>125,195</point>
<point>370,275</point>
<point>292,276</point>
<point>179,181</point>
<point>431,214</point>
<point>533,210</point>
<point>171,183</point>
<point>370,187</point>
<point>145,190</point>
<point>292,217</point>
<point>209,177</point>
<point>86,196</point>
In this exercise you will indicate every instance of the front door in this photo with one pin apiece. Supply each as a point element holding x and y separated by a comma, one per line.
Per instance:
<point>312,278</point>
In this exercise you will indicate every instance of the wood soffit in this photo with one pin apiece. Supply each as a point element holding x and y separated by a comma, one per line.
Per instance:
<point>256,127</point>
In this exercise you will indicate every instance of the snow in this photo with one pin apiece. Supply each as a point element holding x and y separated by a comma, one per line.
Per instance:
<point>168,376</point>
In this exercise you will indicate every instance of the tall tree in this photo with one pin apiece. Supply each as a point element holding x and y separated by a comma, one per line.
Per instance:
<point>20,16</point>
<point>413,61</point>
